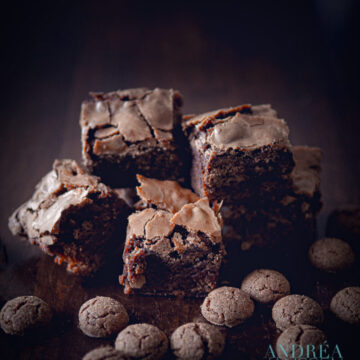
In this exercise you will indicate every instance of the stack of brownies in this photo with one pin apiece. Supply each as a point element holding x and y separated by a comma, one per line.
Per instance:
<point>250,188</point>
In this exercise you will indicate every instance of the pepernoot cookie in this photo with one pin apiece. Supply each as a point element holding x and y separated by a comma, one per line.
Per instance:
<point>297,339</point>
<point>102,317</point>
<point>142,341</point>
<point>104,353</point>
<point>331,254</point>
<point>197,341</point>
<point>295,310</point>
<point>346,305</point>
<point>24,313</point>
<point>227,306</point>
<point>266,286</point>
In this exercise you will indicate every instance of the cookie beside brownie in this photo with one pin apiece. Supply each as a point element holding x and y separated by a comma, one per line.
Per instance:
<point>74,217</point>
<point>134,131</point>
<point>173,243</point>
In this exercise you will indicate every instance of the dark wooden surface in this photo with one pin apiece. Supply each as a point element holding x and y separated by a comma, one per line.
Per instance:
<point>300,58</point>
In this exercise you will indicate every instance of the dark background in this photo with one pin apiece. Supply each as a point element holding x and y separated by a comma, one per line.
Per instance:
<point>300,56</point>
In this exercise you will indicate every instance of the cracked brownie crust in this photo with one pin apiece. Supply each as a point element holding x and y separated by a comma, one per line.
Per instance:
<point>331,255</point>
<point>173,247</point>
<point>142,341</point>
<point>266,286</point>
<point>297,309</point>
<point>247,143</point>
<point>104,353</point>
<point>302,335</point>
<point>72,216</point>
<point>346,305</point>
<point>23,314</point>
<point>227,306</point>
<point>102,317</point>
<point>197,341</point>
<point>133,131</point>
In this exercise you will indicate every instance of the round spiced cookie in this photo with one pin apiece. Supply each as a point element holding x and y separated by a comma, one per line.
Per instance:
<point>266,286</point>
<point>24,313</point>
<point>346,305</point>
<point>295,310</point>
<point>331,255</point>
<point>301,335</point>
<point>197,341</point>
<point>227,306</point>
<point>104,353</point>
<point>102,317</point>
<point>142,341</point>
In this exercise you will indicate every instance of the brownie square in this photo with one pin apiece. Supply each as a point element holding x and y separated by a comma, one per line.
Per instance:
<point>293,218</point>
<point>173,243</point>
<point>74,217</point>
<point>240,154</point>
<point>133,131</point>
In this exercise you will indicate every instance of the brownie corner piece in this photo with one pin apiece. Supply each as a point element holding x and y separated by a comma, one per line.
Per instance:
<point>174,245</point>
<point>236,148</point>
<point>133,131</point>
<point>73,217</point>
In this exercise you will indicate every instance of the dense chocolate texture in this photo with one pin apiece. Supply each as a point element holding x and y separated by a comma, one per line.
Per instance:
<point>242,156</point>
<point>238,151</point>
<point>173,246</point>
<point>278,221</point>
<point>133,131</point>
<point>72,216</point>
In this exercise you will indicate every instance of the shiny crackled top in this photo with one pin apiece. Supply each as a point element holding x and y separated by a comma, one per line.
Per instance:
<point>65,186</point>
<point>166,194</point>
<point>130,116</point>
<point>242,126</point>
<point>174,205</point>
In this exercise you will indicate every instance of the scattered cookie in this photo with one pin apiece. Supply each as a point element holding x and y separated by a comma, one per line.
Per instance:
<point>102,317</point>
<point>331,254</point>
<point>346,305</point>
<point>344,223</point>
<point>104,353</point>
<point>295,310</point>
<point>142,341</point>
<point>227,306</point>
<point>266,286</point>
<point>302,335</point>
<point>24,313</point>
<point>197,341</point>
